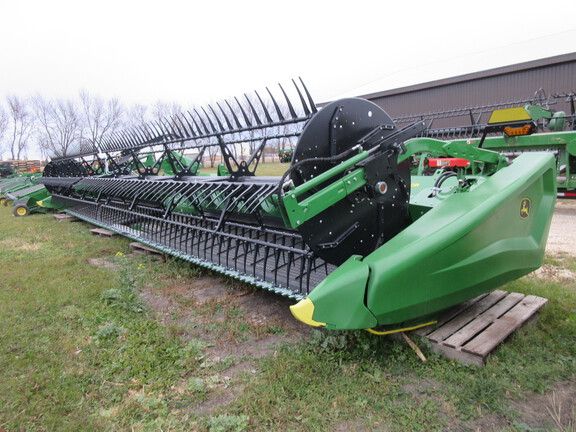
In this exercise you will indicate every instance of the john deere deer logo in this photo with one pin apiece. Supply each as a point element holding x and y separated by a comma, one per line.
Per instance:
<point>525,208</point>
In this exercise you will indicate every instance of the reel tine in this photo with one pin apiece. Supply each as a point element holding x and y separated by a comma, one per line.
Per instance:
<point>206,131</point>
<point>162,133</point>
<point>166,133</point>
<point>290,107</point>
<point>175,126</point>
<point>138,134</point>
<point>217,118</point>
<point>119,139</point>
<point>258,122</point>
<point>210,121</point>
<point>310,100</point>
<point>195,123</point>
<point>104,144</point>
<point>192,133</point>
<point>264,108</point>
<point>234,115</point>
<point>131,140</point>
<point>169,128</point>
<point>147,133</point>
<point>278,111</point>
<point>304,106</point>
<point>125,140</point>
<point>158,131</point>
<point>188,127</point>
<point>140,137</point>
<point>228,123</point>
<point>111,140</point>
<point>116,141</point>
<point>131,137</point>
<point>243,113</point>
<point>185,134</point>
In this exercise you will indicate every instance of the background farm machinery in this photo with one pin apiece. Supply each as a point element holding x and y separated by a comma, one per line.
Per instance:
<point>348,230</point>
<point>530,116</point>
<point>21,192</point>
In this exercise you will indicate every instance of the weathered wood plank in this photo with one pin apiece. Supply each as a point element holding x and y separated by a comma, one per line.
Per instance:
<point>103,232</point>
<point>449,314</point>
<point>481,324</point>
<point>64,217</point>
<point>483,320</point>
<point>145,250</point>
<point>505,325</point>
<point>461,320</point>
<point>456,354</point>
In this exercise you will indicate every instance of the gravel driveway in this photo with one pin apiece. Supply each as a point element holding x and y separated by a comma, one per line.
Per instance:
<point>562,236</point>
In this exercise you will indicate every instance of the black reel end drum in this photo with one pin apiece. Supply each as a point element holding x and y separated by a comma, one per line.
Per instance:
<point>364,220</point>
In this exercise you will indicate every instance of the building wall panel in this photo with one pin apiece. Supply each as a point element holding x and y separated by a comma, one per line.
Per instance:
<point>555,75</point>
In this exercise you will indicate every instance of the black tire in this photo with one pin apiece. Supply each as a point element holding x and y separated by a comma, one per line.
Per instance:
<point>9,202</point>
<point>2,200</point>
<point>21,210</point>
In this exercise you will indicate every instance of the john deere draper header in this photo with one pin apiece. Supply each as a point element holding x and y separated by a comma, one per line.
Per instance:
<point>347,231</point>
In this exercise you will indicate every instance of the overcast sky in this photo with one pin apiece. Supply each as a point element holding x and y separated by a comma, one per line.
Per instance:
<point>195,52</point>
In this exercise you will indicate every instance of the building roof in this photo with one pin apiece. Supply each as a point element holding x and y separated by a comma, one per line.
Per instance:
<point>533,64</point>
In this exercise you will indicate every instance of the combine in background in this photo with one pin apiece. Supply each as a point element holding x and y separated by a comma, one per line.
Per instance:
<point>524,118</point>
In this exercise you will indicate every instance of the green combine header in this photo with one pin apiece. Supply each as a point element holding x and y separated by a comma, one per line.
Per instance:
<point>355,231</point>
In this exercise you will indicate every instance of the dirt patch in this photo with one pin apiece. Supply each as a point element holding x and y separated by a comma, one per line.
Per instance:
<point>210,300</point>
<point>420,388</point>
<point>552,410</point>
<point>218,398</point>
<point>562,237</point>
<point>102,262</point>
<point>179,299</point>
<point>235,321</point>
<point>359,425</point>
<point>555,409</point>
<point>553,273</point>
<point>486,423</point>
<point>18,244</point>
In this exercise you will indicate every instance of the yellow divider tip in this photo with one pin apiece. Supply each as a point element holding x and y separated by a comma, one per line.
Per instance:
<point>303,311</point>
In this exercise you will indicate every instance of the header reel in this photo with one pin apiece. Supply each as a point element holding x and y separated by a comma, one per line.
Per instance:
<point>344,164</point>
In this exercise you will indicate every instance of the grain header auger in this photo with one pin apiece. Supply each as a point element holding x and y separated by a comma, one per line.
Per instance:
<point>347,230</point>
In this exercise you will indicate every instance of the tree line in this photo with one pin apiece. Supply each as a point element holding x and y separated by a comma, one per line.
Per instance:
<point>50,127</point>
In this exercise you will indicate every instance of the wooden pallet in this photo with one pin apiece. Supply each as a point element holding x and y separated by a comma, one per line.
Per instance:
<point>143,249</point>
<point>103,232</point>
<point>65,217</point>
<point>473,329</point>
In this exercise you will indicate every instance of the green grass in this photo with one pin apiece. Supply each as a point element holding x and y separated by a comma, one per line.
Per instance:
<point>80,350</point>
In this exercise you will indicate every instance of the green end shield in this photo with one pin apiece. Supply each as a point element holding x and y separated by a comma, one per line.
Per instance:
<point>338,302</point>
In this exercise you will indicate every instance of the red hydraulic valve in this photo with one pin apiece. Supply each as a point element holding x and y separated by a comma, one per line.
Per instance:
<point>448,162</point>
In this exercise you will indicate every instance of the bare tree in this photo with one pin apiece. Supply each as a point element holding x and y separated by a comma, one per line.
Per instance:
<point>165,114</point>
<point>21,126</point>
<point>3,127</point>
<point>60,125</point>
<point>136,116</point>
<point>213,153</point>
<point>165,111</point>
<point>100,117</point>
